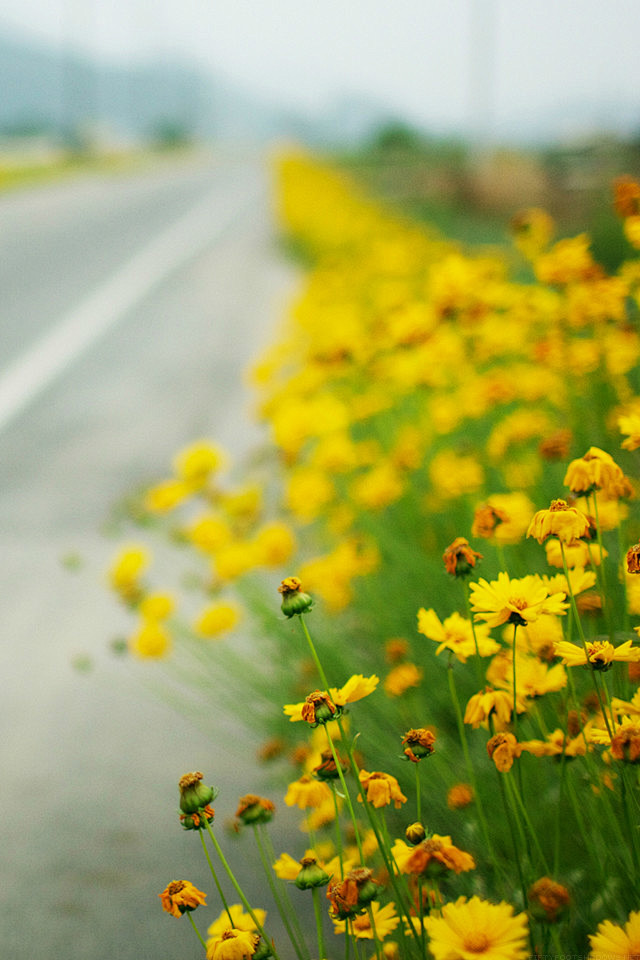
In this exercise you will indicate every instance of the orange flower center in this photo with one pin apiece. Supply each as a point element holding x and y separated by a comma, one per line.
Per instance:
<point>476,942</point>
<point>518,603</point>
<point>175,887</point>
<point>558,505</point>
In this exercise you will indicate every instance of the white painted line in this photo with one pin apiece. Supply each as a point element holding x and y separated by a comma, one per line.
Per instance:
<point>109,303</point>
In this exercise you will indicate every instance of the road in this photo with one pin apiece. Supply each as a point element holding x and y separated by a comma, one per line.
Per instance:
<point>88,834</point>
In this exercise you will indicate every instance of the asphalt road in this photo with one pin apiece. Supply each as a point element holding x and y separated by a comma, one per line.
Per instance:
<point>105,369</point>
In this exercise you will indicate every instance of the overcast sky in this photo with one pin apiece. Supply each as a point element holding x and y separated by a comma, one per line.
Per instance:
<point>440,62</point>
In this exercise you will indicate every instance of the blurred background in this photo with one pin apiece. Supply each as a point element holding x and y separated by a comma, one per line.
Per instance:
<point>140,273</point>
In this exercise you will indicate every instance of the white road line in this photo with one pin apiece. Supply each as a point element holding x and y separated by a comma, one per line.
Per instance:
<point>109,303</point>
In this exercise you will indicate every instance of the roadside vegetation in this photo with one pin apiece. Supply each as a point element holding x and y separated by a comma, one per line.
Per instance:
<point>423,595</point>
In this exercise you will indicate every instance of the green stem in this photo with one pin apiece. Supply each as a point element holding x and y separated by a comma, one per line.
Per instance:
<point>198,934</point>
<point>238,888</point>
<point>215,878</point>
<point>467,759</point>
<point>318,912</point>
<point>418,800</point>
<point>276,896</point>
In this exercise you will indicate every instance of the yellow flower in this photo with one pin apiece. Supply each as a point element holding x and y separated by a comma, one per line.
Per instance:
<point>156,606</point>
<point>629,424</point>
<point>241,920</point>
<point>513,601</point>
<point>354,689</point>
<point>400,678</point>
<point>478,930</point>
<point>503,748</point>
<point>307,792</point>
<point>126,569</point>
<point>209,533</point>
<point>457,635</point>
<point>150,641</point>
<point>274,544</point>
<point>216,619</point>
<point>377,488</point>
<point>381,789</point>
<point>556,744</point>
<point>561,521</point>
<point>232,944</point>
<point>597,470</point>
<point>181,896</point>
<point>166,496</point>
<point>385,922</point>
<point>486,703</point>
<point>432,857</point>
<point>601,653</point>
<point>578,554</point>
<point>195,463</point>
<point>453,474</point>
<point>613,942</point>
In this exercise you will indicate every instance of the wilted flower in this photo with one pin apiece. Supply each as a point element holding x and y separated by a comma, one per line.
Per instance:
<point>561,521</point>
<point>181,896</point>
<point>418,744</point>
<point>381,789</point>
<point>459,558</point>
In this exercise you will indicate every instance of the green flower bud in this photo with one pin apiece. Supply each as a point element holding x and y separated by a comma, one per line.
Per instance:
<point>311,875</point>
<point>193,794</point>
<point>294,601</point>
<point>255,809</point>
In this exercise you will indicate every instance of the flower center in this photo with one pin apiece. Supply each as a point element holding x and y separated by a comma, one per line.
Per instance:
<point>518,603</point>
<point>175,887</point>
<point>476,942</point>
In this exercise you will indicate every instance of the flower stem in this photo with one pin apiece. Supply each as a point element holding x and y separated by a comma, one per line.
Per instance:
<point>198,934</point>
<point>300,952</point>
<point>318,912</point>
<point>215,878</point>
<point>238,888</point>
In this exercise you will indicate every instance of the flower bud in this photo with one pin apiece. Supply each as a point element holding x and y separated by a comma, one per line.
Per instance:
<point>548,900</point>
<point>193,794</point>
<point>327,769</point>
<point>197,821</point>
<point>294,601</point>
<point>415,833</point>
<point>255,809</point>
<point>311,875</point>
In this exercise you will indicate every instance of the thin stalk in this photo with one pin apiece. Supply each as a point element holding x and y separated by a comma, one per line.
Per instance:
<point>276,896</point>
<point>215,878</point>
<point>271,856</point>
<point>238,888</point>
<point>198,934</point>
<point>318,912</point>
<point>418,800</point>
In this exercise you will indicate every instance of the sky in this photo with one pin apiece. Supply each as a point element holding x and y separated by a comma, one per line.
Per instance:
<point>444,63</point>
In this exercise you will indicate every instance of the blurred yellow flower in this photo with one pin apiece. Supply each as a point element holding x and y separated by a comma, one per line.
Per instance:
<point>401,678</point>
<point>216,619</point>
<point>150,641</point>
<point>194,464</point>
<point>614,942</point>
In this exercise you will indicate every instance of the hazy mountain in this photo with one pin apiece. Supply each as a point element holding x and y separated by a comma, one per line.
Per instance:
<point>46,90</point>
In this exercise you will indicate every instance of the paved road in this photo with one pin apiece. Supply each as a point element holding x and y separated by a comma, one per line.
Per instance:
<point>89,763</point>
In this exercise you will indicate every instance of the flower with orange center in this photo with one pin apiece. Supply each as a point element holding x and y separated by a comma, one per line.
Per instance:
<point>489,703</point>
<point>503,748</point>
<point>180,896</point>
<point>232,944</point>
<point>478,930</point>
<point>578,554</point>
<point>418,744</point>
<point>459,558</point>
<point>548,900</point>
<point>235,917</point>
<point>433,857</point>
<point>381,789</point>
<point>613,942</point>
<point>514,601</point>
<point>597,470</point>
<point>601,653</point>
<point>561,521</point>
